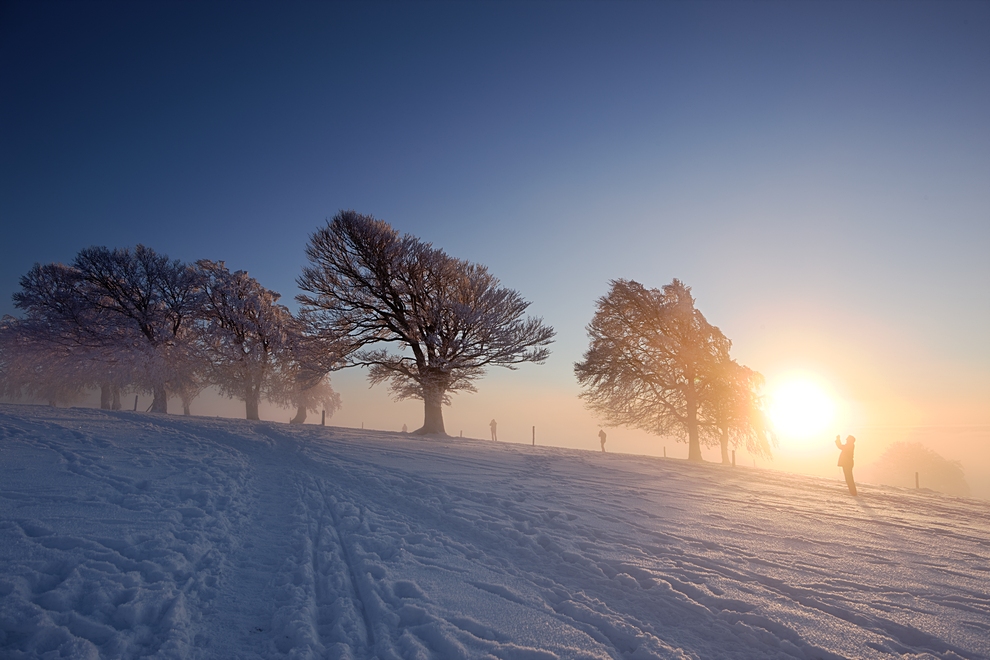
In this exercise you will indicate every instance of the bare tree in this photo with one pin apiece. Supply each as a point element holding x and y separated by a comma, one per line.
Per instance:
<point>305,376</point>
<point>368,285</point>
<point>901,461</point>
<point>66,339</point>
<point>650,360</point>
<point>35,369</point>
<point>244,334</point>
<point>312,396</point>
<point>150,302</point>
<point>733,407</point>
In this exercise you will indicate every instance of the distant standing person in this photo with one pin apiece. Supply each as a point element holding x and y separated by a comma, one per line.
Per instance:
<point>494,425</point>
<point>846,460</point>
<point>601,435</point>
<point>405,429</point>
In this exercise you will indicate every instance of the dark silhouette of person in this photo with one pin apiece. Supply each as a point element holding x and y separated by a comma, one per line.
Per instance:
<point>601,434</point>
<point>846,460</point>
<point>494,426</point>
<point>405,429</point>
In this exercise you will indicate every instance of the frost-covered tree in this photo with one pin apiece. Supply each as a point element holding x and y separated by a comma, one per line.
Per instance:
<point>733,409</point>
<point>37,370</point>
<point>305,377</point>
<point>244,334</point>
<point>62,336</point>
<point>369,285</point>
<point>650,360</point>
<point>147,304</point>
<point>311,396</point>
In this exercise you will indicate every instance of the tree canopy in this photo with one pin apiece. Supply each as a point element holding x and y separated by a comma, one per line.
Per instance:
<point>369,285</point>
<point>655,363</point>
<point>133,318</point>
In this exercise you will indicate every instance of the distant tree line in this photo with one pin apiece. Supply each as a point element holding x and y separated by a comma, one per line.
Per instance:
<point>134,320</point>
<point>902,461</point>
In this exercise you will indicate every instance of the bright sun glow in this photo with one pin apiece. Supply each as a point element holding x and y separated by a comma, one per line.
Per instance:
<point>800,408</point>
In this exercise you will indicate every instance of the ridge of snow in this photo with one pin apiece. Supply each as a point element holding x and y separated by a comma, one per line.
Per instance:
<point>126,534</point>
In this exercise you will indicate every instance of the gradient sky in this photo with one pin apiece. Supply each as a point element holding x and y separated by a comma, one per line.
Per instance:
<point>819,173</point>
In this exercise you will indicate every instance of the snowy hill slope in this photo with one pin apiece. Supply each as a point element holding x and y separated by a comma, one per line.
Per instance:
<point>125,535</point>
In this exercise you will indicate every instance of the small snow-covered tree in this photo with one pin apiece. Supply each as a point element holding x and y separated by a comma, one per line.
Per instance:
<point>305,377</point>
<point>732,407</point>
<point>368,285</point>
<point>244,335</point>
<point>309,396</point>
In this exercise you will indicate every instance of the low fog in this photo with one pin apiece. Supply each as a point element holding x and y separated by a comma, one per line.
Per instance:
<point>561,421</point>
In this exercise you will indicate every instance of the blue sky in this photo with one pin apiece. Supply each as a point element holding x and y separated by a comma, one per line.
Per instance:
<point>819,173</point>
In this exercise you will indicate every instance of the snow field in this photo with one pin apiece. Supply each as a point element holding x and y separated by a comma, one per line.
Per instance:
<point>126,535</point>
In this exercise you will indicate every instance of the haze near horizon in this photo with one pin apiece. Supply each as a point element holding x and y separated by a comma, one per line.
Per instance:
<point>815,172</point>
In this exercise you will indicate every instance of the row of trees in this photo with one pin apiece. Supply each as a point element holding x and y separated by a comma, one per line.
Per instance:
<point>119,318</point>
<point>135,319</point>
<point>655,363</point>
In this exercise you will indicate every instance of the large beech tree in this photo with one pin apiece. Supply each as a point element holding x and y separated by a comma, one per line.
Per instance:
<point>650,362</point>
<point>451,319</point>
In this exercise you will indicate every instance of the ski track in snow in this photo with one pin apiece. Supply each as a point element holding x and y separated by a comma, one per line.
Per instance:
<point>126,535</point>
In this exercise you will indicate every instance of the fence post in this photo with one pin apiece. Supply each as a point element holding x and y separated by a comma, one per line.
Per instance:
<point>135,402</point>
<point>323,419</point>
<point>534,436</point>
<point>665,451</point>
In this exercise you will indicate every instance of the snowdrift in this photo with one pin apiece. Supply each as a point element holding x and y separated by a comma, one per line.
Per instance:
<point>125,535</point>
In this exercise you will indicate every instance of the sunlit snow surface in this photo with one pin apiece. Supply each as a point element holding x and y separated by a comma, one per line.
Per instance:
<point>125,535</point>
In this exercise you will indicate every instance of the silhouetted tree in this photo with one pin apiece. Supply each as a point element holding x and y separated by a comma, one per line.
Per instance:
<point>733,408</point>
<point>314,354</point>
<point>651,361</point>
<point>244,334</point>
<point>368,285</point>
<point>149,302</point>
<point>36,369</point>
<point>897,465</point>
<point>63,338</point>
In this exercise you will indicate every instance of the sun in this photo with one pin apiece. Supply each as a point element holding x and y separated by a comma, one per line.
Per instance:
<point>800,408</point>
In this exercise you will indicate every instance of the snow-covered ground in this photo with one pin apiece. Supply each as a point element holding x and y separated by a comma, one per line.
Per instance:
<point>126,534</point>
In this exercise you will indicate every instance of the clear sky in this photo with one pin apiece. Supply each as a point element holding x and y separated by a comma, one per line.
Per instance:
<point>819,173</point>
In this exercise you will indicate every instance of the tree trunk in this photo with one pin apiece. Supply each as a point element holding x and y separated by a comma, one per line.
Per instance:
<point>186,410</point>
<point>105,397</point>
<point>300,415</point>
<point>251,403</point>
<point>433,422</point>
<point>724,443</point>
<point>160,402</point>
<point>115,400</point>
<point>694,442</point>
